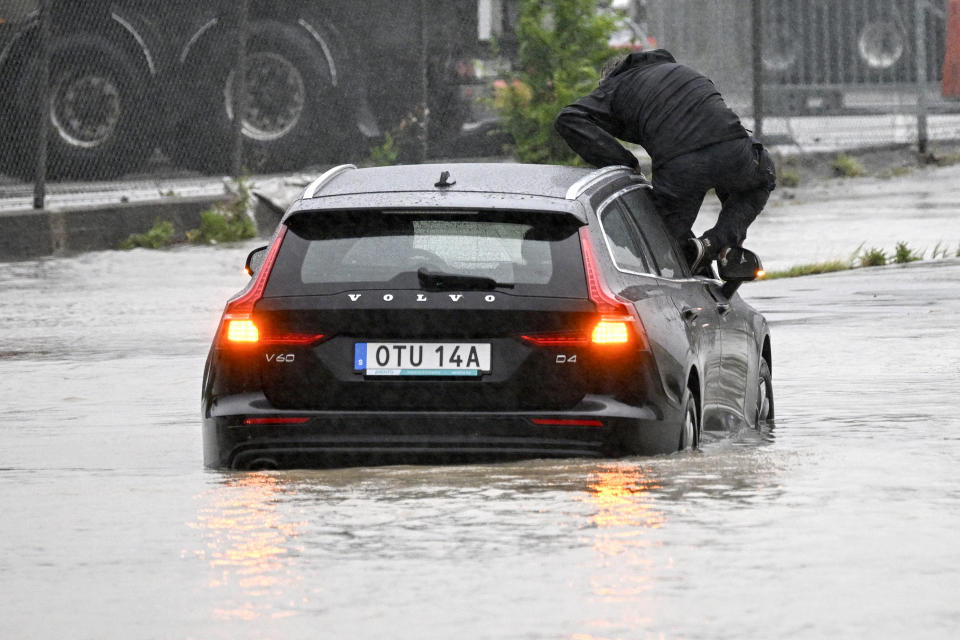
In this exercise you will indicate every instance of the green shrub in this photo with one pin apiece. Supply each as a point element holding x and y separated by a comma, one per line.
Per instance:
<point>404,143</point>
<point>873,258</point>
<point>905,254</point>
<point>788,177</point>
<point>158,237</point>
<point>563,43</point>
<point>847,167</point>
<point>385,154</point>
<point>226,222</point>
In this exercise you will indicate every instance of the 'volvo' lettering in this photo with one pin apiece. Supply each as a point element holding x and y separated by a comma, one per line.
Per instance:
<point>456,297</point>
<point>354,296</point>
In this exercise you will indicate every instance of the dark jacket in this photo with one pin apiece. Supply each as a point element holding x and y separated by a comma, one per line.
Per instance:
<point>648,99</point>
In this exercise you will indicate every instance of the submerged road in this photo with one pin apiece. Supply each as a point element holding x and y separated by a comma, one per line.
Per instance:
<point>840,522</point>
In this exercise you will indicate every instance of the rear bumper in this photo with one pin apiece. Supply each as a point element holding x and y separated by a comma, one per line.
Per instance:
<point>350,438</point>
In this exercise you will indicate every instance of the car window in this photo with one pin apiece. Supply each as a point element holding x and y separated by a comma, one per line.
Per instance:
<point>337,251</point>
<point>623,242</point>
<point>660,244</point>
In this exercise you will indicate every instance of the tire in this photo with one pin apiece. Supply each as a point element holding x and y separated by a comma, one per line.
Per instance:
<point>764,412</point>
<point>882,47</point>
<point>10,154</point>
<point>100,115</point>
<point>782,47</point>
<point>294,116</point>
<point>690,425</point>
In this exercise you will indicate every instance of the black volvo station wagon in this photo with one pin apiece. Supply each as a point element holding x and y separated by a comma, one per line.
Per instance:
<point>478,312</point>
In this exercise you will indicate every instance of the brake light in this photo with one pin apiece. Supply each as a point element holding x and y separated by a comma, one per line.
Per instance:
<point>615,316</point>
<point>276,421</point>
<point>566,422</point>
<point>558,339</point>
<point>293,338</point>
<point>237,326</point>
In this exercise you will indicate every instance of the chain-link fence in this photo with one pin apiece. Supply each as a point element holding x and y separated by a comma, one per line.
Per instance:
<point>142,88</point>
<point>135,87</point>
<point>835,74</point>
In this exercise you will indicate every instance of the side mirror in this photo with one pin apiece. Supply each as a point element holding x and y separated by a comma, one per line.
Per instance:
<point>255,260</point>
<point>737,266</point>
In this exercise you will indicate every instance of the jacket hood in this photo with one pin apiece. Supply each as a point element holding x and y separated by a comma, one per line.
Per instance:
<point>642,59</point>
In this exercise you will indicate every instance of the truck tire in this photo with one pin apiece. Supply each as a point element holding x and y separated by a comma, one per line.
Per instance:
<point>883,46</point>
<point>100,115</point>
<point>293,115</point>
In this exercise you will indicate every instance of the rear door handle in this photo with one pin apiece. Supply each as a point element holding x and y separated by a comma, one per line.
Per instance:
<point>723,308</point>
<point>690,313</point>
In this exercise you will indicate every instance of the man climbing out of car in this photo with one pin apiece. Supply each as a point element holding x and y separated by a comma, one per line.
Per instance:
<point>695,141</point>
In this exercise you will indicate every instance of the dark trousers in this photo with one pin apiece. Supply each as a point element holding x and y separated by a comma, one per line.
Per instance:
<point>743,175</point>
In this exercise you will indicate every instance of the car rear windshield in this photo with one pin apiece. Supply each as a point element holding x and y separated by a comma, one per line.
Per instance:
<point>522,253</point>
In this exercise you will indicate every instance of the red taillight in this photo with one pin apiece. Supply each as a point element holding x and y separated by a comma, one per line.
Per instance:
<point>616,318</point>
<point>237,326</point>
<point>276,421</point>
<point>558,339</point>
<point>566,422</point>
<point>293,339</point>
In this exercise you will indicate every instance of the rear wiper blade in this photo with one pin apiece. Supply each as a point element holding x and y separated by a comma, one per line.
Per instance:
<point>438,281</point>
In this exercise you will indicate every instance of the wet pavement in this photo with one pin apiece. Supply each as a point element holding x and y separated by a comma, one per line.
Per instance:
<point>840,522</point>
<point>832,219</point>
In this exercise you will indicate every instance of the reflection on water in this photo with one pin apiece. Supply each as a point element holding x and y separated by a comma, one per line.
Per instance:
<point>250,543</point>
<point>623,507</point>
<point>844,525</point>
<point>272,540</point>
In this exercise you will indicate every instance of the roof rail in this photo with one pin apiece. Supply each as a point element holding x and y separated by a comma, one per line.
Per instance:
<point>577,188</point>
<point>322,181</point>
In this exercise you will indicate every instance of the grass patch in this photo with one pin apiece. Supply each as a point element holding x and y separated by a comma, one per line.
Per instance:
<point>847,167</point>
<point>944,161</point>
<point>896,172</point>
<point>226,222</point>
<point>827,266</point>
<point>872,257</point>
<point>788,177</point>
<point>904,254</point>
<point>158,237</point>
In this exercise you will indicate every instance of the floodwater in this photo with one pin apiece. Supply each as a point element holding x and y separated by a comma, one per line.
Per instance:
<point>840,522</point>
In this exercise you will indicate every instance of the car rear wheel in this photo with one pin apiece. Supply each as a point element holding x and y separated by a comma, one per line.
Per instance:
<point>690,427</point>
<point>764,395</point>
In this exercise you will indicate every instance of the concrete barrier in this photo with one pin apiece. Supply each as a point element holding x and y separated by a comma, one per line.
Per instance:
<point>34,234</point>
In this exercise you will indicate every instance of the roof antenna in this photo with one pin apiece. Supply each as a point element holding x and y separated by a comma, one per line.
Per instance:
<point>445,180</point>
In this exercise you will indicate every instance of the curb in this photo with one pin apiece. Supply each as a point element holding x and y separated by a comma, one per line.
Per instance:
<point>25,235</point>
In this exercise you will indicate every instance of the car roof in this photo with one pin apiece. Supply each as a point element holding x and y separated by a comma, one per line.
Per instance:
<point>467,185</point>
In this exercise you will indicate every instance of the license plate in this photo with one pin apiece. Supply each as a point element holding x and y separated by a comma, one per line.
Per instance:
<point>421,358</point>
